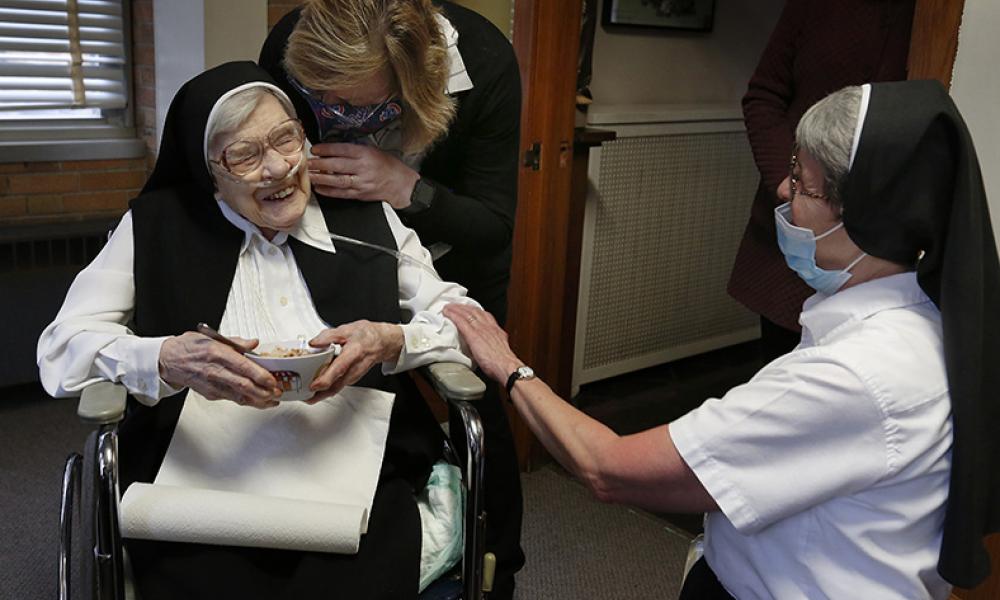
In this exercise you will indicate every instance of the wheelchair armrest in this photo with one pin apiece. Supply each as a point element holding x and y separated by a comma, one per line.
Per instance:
<point>102,403</point>
<point>454,381</point>
<point>458,386</point>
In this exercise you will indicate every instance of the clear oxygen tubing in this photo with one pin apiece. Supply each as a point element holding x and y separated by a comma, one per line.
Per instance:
<point>406,258</point>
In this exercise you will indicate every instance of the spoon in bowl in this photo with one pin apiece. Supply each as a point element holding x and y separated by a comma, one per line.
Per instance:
<point>206,329</point>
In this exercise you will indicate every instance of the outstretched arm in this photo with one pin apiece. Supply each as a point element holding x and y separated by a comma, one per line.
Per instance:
<point>642,469</point>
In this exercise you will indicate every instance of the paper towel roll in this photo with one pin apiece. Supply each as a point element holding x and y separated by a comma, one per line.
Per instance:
<point>176,514</point>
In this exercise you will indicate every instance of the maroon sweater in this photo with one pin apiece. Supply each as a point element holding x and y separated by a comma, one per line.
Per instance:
<point>817,47</point>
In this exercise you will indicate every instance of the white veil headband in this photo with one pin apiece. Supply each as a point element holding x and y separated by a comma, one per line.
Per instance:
<point>214,114</point>
<point>866,94</point>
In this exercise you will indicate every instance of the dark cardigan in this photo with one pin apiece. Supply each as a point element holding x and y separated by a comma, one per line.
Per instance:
<point>474,168</point>
<point>817,47</point>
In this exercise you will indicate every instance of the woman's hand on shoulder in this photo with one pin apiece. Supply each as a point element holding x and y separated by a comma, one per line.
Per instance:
<point>217,371</point>
<point>361,172</point>
<point>363,345</point>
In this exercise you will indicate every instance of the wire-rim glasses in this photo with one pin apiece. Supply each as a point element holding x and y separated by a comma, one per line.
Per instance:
<point>243,157</point>
<point>794,181</point>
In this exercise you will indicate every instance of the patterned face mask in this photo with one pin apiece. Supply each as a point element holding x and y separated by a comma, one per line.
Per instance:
<point>343,122</point>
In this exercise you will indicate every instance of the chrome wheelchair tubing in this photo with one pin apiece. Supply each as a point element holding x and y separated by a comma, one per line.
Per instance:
<point>108,552</point>
<point>475,522</point>
<point>70,483</point>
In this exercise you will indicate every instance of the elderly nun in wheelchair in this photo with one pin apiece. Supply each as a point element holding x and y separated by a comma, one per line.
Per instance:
<point>227,232</point>
<point>863,464</point>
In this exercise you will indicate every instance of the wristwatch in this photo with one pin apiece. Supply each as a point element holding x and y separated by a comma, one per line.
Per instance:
<point>421,198</point>
<point>519,374</point>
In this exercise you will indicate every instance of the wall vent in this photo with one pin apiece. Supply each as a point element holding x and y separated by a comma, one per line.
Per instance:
<point>37,265</point>
<point>76,250</point>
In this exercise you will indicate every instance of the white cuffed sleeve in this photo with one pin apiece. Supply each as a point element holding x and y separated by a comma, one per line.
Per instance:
<point>428,336</point>
<point>88,341</point>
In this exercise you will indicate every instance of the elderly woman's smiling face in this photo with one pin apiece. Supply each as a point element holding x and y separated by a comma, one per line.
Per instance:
<point>279,203</point>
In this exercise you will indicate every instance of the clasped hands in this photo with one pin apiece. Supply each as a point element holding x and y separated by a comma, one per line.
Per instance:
<point>219,372</point>
<point>359,172</point>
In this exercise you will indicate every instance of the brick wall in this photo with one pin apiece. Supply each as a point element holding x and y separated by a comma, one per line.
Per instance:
<point>144,76</point>
<point>67,190</point>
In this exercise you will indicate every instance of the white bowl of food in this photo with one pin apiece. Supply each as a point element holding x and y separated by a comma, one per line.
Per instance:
<point>293,364</point>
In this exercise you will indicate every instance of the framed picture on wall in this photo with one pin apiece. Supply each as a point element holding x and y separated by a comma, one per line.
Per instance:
<point>693,15</point>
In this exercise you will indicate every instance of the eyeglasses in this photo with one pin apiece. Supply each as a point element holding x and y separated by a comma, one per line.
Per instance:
<point>243,157</point>
<point>793,179</point>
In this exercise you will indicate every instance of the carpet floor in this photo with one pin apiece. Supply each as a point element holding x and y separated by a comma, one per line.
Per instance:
<point>576,547</point>
<point>579,548</point>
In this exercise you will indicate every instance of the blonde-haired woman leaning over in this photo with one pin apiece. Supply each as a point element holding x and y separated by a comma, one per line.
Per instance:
<point>417,104</point>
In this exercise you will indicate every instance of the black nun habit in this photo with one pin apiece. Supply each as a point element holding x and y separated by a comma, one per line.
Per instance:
<point>915,194</point>
<point>180,237</point>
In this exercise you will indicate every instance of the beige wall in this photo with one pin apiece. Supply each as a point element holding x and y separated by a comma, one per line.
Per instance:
<point>679,67</point>
<point>976,89</point>
<point>234,30</point>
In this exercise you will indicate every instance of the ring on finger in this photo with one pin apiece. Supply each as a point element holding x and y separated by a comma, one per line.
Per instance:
<point>353,179</point>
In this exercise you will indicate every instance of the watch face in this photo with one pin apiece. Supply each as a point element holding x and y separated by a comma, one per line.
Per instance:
<point>526,373</point>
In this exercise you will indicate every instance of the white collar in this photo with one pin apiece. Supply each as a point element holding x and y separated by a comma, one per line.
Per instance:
<point>822,314</point>
<point>311,228</point>
<point>458,77</point>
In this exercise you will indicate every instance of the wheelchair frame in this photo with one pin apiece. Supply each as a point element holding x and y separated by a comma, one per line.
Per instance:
<point>103,404</point>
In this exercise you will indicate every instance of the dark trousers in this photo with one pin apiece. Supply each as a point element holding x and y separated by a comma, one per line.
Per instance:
<point>775,340</point>
<point>702,584</point>
<point>503,503</point>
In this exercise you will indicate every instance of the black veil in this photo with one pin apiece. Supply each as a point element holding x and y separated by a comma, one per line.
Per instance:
<point>181,160</point>
<point>915,191</point>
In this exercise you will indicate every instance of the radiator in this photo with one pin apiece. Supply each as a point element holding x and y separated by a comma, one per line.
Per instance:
<point>667,204</point>
<point>37,265</point>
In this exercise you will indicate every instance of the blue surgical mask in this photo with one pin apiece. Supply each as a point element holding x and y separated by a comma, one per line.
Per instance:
<point>798,244</point>
<point>344,122</point>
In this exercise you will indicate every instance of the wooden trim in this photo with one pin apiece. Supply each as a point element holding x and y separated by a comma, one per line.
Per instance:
<point>546,40</point>
<point>934,39</point>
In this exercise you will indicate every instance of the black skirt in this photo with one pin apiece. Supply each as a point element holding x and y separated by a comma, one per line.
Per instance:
<point>702,584</point>
<point>386,567</point>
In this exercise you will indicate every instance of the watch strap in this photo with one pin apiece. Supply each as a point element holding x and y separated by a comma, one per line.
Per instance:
<point>421,197</point>
<point>517,375</point>
<point>511,381</point>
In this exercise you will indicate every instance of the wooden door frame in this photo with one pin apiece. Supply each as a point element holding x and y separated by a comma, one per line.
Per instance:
<point>546,41</point>
<point>934,39</point>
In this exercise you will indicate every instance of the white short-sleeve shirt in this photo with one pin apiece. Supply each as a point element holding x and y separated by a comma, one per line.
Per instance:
<point>831,466</point>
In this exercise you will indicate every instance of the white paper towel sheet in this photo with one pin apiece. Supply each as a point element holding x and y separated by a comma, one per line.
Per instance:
<point>253,477</point>
<point>174,514</point>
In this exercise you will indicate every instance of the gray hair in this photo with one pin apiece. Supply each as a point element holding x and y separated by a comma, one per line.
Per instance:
<point>826,131</point>
<point>235,109</point>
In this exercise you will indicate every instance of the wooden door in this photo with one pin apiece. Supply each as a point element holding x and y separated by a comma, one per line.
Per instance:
<point>546,40</point>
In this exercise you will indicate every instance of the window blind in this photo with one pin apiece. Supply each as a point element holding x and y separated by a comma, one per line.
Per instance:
<point>57,54</point>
